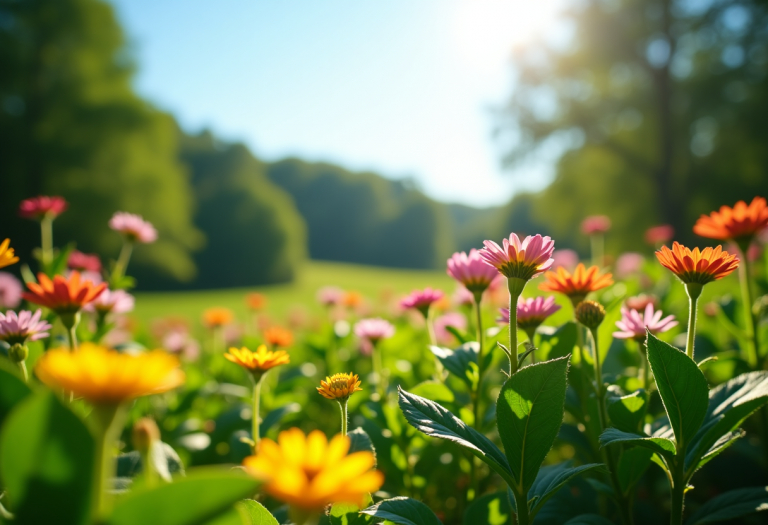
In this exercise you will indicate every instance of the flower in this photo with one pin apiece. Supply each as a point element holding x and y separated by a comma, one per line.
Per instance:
<point>339,386</point>
<point>374,330</point>
<point>520,260</point>
<point>739,222</point>
<point>10,290</point>
<point>590,314</point>
<point>308,472</point>
<point>530,312</point>
<point>659,234</point>
<point>352,299</point>
<point>633,324</point>
<point>463,297</point>
<point>7,257</point>
<point>330,296</point>
<point>640,302</point>
<point>104,376</point>
<point>133,227</point>
<point>595,224</point>
<point>63,295</point>
<point>421,300</point>
<point>84,262</point>
<point>566,258</point>
<point>278,336</point>
<point>26,326</point>
<point>471,271</point>
<point>259,361</point>
<point>695,266</point>
<point>217,316</point>
<point>441,324</point>
<point>576,285</point>
<point>112,301</point>
<point>628,263</point>
<point>42,206</point>
<point>255,301</point>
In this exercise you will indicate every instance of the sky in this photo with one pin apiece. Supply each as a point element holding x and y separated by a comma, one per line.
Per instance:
<point>405,88</point>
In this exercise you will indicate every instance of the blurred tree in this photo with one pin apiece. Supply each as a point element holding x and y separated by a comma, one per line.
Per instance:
<point>660,106</point>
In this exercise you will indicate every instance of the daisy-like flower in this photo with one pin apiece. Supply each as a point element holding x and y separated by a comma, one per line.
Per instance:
<point>22,327</point>
<point>308,472</point>
<point>133,227</point>
<point>595,224</point>
<point>258,362</point>
<point>84,262</point>
<point>421,300</point>
<point>277,336</point>
<point>628,264</point>
<point>697,266</point>
<point>577,285</point>
<point>659,234</point>
<point>633,324</point>
<point>741,222</point>
<point>7,256</point>
<point>256,301</point>
<point>107,377</point>
<point>374,330</point>
<point>471,271</point>
<point>330,296</point>
<point>520,260</point>
<point>217,316</point>
<point>531,312</point>
<point>339,387</point>
<point>112,301</point>
<point>10,290</point>
<point>63,296</point>
<point>42,206</point>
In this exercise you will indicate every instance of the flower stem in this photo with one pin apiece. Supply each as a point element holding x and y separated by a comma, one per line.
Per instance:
<point>523,518</point>
<point>344,416</point>
<point>378,368</point>
<point>480,362</point>
<point>694,291</point>
<point>107,423</point>
<point>23,368</point>
<point>121,266</point>
<point>46,241</point>
<point>746,297</point>
<point>515,287</point>
<point>255,415</point>
<point>597,244</point>
<point>678,493</point>
<point>646,367</point>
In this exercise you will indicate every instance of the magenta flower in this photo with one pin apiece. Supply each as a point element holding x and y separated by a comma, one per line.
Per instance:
<point>520,260</point>
<point>26,326</point>
<point>632,324</point>
<point>421,300</point>
<point>133,227</point>
<point>374,330</point>
<point>659,234</point>
<point>530,312</point>
<point>112,301</point>
<point>595,224</point>
<point>628,264</point>
<point>566,258</point>
<point>42,206</point>
<point>10,290</point>
<point>471,271</point>
<point>454,319</point>
<point>84,262</point>
<point>330,296</point>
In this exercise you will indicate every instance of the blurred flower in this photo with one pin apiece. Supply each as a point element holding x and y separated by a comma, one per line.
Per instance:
<point>277,336</point>
<point>566,258</point>
<point>520,260</point>
<point>63,295</point>
<point>217,316</point>
<point>640,302</point>
<point>628,264</point>
<point>576,285</point>
<point>352,299</point>
<point>7,256</point>
<point>754,252</point>
<point>694,266</point>
<point>255,301</point>
<point>454,319</point>
<point>531,312</point>
<point>39,207</point>
<point>659,234</point>
<point>84,262</point>
<point>632,324</point>
<point>10,290</point>
<point>421,300</point>
<point>739,222</point>
<point>471,271</point>
<point>308,472</point>
<point>374,330</point>
<point>134,227</point>
<point>330,296</point>
<point>463,297</point>
<point>108,377</point>
<point>595,224</point>
<point>258,362</point>
<point>590,314</point>
<point>180,342</point>
<point>339,386</point>
<point>112,301</point>
<point>26,326</point>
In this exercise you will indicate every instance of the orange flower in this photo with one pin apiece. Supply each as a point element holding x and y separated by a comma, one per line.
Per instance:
<point>63,295</point>
<point>700,267</point>
<point>339,386</point>
<point>277,336</point>
<point>353,299</point>
<point>7,257</point>
<point>576,285</point>
<point>256,301</point>
<point>217,316</point>
<point>308,472</point>
<point>259,361</point>
<point>735,223</point>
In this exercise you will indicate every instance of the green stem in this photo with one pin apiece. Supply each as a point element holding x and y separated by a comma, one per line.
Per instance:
<point>580,344</point>
<point>480,362</point>
<point>378,368</point>
<point>694,292</point>
<point>598,368</point>
<point>749,320</point>
<point>597,243</point>
<point>429,320</point>
<point>107,424</point>
<point>523,518</point>
<point>121,266</point>
<point>344,417</point>
<point>46,241</point>
<point>678,493</point>
<point>646,367</point>
<point>255,415</point>
<point>23,368</point>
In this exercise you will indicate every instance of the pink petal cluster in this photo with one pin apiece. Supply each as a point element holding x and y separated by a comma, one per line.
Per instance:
<point>23,327</point>
<point>471,270</point>
<point>566,258</point>
<point>10,290</point>
<point>628,264</point>
<point>374,329</point>
<point>522,260</point>
<point>659,234</point>
<point>112,301</point>
<point>39,207</point>
<point>595,224</point>
<point>453,319</point>
<point>530,312</point>
<point>84,262</point>
<point>133,227</point>
<point>422,299</point>
<point>330,296</point>
<point>632,324</point>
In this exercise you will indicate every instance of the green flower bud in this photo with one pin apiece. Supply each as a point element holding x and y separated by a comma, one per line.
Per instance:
<point>18,353</point>
<point>590,314</point>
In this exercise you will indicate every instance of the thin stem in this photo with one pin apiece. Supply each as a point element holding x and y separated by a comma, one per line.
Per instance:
<point>429,320</point>
<point>378,368</point>
<point>749,320</point>
<point>678,493</point>
<point>646,367</point>
<point>255,415</point>
<point>344,417</point>
<point>121,266</point>
<point>523,518</point>
<point>694,291</point>
<point>480,363</point>
<point>23,368</point>
<point>46,241</point>
<point>580,344</point>
<point>596,359</point>
<point>107,423</point>
<point>513,362</point>
<point>597,244</point>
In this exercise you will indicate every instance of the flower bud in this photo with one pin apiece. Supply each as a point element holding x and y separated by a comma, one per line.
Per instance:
<point>145,432</point>
<point>18,353</point>
<point>590,314</point>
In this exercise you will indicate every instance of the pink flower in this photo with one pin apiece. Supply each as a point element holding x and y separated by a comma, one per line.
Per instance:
<point>374,330</point>
<point>595,224</point>
<point>133,227</point>
<point>659,234</point>
<point>330,296</point>
<point>754,252</point>
<point>633,324</point>
<point>42,206</point>
<point>530,312</point>
<point>566,258</point>
<point>112,301</point>
<point>640,302</point>
<point>454,319</point>
<point>10,290</point>
<point>84,262</point>
<point>22,327</point>
<point>628,263</point>
<point>520,260</point>
<point>421,300</point>
<point>180,342</point>
<point>471,271</point>
<point>463,297</point>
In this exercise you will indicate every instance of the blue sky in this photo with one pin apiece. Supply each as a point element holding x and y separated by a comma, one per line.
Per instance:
<point>402,87</point>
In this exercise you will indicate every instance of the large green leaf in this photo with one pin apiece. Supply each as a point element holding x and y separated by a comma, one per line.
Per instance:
<point>730,505</point>
<point>347,514</point>
<point>551,479</point>
<point>435,421</point>
<point>660,445</point>
<point>491,509</point>
<point>12,390</point>
<point>47,462</point>
<point>628,412</point>
<point>253,513</point>
<point>459,361</point>
<point>682,386</point>
<point>633,463</point>
<point>200,497</point>
<point>529,412</point>
<point>403,511</point>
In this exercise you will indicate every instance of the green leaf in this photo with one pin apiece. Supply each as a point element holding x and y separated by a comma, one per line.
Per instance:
<point>660,445</point>
<point>47,455</point>
<point>529,412</point>
<point>12,391</point>
<point>346,514</point>
<point>403,511</point>
<point>462,337</point>
<point>632,464</point>
<point>491,509</point>
<point>435,391</point>
<point>551,479</point>
<point>558,343</point>
<point>682,386</point>
<point>589,519</point>
<point>201,496</point>
<point>361,442</point>
<point>730,505</point>
<point>275,416</point>
<point>254,513</point>
<point>458,361</point>
<point>435,421</point>
<point>725,441</point>
<point>628,412</point>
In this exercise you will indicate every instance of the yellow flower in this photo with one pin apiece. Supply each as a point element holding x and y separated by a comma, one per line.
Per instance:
<point>107,377</point>
<point>339,386</point>
<point>308,472</point>
<point>7,256</point>
<point>259,361</point>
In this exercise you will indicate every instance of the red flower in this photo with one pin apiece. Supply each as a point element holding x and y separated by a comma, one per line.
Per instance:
<point>84,262</point>
<point>42,206</point>
<point>63,295</point>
